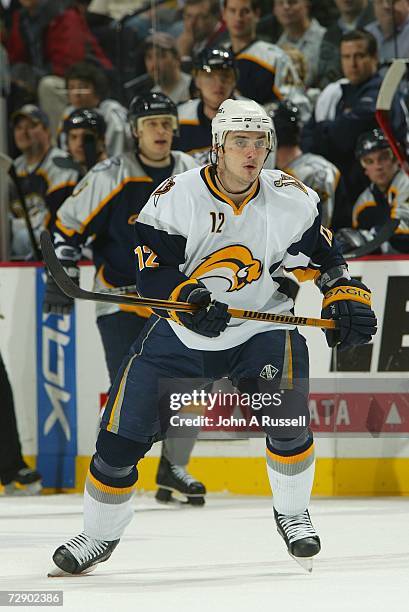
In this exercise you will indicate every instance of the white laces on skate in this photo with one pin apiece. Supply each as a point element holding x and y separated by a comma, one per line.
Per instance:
<point>179,472</point>
<point>297,527</point>
<point>84,548</point>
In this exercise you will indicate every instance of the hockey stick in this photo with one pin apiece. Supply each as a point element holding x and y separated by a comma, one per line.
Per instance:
<point>386,93</point>
<point>74,291</point>
<point>7,164</point>
<point>387,230</point>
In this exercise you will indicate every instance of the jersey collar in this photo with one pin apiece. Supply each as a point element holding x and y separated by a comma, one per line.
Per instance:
<point>207,174</point>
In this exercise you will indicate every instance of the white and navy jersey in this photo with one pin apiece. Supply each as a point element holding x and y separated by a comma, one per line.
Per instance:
<point>118,137</point>
<point>373,208</point>
<point>189,229</point>
<point>45,186</point>
<point>195,131</point>
<point>322,176</point>
<point>267,74</point>
<point>103,208</point>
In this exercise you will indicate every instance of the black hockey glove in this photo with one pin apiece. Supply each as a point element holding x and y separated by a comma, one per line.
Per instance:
<point>350,239</point>
<point>55,300</point>
<point>349,302</point>
<point>210,320</point>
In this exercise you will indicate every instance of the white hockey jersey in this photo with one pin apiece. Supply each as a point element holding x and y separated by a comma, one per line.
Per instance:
<point>189,229</point>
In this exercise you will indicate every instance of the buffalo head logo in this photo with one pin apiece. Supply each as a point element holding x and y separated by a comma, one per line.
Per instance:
<point>234,263</point>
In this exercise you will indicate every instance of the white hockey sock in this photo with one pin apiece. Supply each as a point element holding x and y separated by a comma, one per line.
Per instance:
<point>107,510</point>
<point>291,479</point>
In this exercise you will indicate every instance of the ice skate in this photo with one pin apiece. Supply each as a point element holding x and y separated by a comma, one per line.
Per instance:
<point>300,537</point>
<point>175,479</point>
<point>80,555</point>
<point>25,482</point>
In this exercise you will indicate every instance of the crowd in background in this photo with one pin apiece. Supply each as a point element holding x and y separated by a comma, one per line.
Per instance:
<point>316,67</point>
<point>82,80</point>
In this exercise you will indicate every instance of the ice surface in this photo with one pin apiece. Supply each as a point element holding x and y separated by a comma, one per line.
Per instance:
<point>224,557</point>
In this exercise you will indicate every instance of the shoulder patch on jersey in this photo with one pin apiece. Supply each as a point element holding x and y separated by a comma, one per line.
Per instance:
<point>162,189</point>
<point>235,263</point>
<point>80,187</point>
<point>106,163</point>
<point>286,180</point>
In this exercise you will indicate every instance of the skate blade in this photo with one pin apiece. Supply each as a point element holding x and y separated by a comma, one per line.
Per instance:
<point>17,490</point>
<point>305,562</point>
<point>174,497</point>
<point>57,572</point>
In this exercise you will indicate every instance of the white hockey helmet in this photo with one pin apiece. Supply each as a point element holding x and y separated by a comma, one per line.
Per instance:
<point>242,116</point>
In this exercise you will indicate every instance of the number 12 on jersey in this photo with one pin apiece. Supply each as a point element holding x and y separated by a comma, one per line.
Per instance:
<point>146,257</point>
<point>217,222</point>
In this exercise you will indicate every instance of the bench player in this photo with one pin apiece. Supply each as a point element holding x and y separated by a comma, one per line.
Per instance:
<point>103,209</point>
<point>214,236</point>
<point>387,197</point>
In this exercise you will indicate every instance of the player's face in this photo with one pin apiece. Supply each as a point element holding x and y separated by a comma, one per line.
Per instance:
<point>81,94</point>
<point>240,18</point>
<point>155,136</point>
<point>29,134</point>
<point>215,86</point>
<point>380,167</point>
<point>75,144</point>
<point>243,156</point>
<point>357,64</point>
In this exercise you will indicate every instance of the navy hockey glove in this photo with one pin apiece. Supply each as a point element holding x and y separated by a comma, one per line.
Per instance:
<point>210,320</point>
<point>349,302</point>
<point>55,301</point>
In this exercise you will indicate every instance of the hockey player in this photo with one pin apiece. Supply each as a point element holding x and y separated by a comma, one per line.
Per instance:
<point>87,87</point>
<point>85,131</point>
<point>313,170</point>
<point>387,197</point>
<point>105,205</point>
<point>223,233</point>
<point>44,184</point>
<point>215,77</point>
<point>266,72</point>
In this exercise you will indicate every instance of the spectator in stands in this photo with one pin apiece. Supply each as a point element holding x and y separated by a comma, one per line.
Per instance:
<point>215,78</point>
<point>87,87</point>
<point>387,197</point>
<point>346,109</point>
<point>300,31</point>
<point>202,28</point>
<point>44,184</point>
<point>266,73</point>
<point>354,15</point>
<point>46,39</point>
<point>163,66</point>
<point>313,170</point>
<point>391,29</point>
